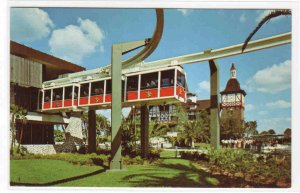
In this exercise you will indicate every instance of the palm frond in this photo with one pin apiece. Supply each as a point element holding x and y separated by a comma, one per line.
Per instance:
<point>272,14</point>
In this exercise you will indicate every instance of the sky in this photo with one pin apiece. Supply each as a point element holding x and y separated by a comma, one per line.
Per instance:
<point>85,37</point>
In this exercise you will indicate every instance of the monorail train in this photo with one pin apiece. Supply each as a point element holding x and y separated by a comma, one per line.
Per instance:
<point>158,86</point>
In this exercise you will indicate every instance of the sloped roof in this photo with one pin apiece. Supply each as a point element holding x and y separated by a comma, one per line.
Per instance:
<point>233,86</point>
<point>54,66</point>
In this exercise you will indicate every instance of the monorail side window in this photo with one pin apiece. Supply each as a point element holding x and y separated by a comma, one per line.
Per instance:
<point>68,92</point>
<point>180,79</point>
<point>76,89</point>
<point>47,96</point>
<point>97,88</point>
<point>167,78</point>
<point>108,86</point>
<point>132,83</point>
<point>84,90</point>
<point>149,81</point>
<point>57,94</point>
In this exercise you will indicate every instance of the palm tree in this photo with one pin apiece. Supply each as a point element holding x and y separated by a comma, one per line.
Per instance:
<point>193,130</point>
<point>272,14</point>
<point>158,129</point>
<point>16,113</point>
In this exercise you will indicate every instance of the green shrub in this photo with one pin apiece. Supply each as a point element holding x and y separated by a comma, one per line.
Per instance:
<point>194,156</point>
<point>103,151</point>
<point>154,154</point>
<point>74,158</point>
<point>127,160</point>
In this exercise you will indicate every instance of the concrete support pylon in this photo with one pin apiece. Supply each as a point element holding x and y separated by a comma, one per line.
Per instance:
<point>91,131</point>
<point>214,105</point>
<point>144,131</point>
<point>116,109</point>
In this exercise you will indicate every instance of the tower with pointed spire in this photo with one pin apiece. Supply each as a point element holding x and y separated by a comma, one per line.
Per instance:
<point>233,102</point>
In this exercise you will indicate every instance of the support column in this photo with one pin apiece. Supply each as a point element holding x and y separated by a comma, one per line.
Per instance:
<point>91,131</point>
<point>214,105</point>
<point>116,109</point>
<point>144,131</point>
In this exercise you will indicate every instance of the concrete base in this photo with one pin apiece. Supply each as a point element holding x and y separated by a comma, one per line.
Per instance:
<point>117,170</point>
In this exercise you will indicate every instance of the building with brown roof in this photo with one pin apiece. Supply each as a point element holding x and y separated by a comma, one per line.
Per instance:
<point>28,69</point>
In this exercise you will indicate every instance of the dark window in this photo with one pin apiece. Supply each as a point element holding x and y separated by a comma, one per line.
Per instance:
<point>167,78</point>
<point>180,79</point>
<point>108,86</point>
<point>149,81</point>
<point>76,90</point>
<point>84,90</point>
<point>97,88</point>
<point>68,92</point>
<point>57,94</point>
<point>35,133</point>
<point>132,83</point>
<point>47,95</point>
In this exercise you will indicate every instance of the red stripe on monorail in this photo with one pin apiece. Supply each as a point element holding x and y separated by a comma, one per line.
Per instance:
<point>84,100</point>
<point>149,93</point>
<point>96,99</point>
<point>108,98</point>
<point>46,105</point>
<point>56,104</point>
<point>132,95</point>
<point>180,91</point>
<point>167,91</point>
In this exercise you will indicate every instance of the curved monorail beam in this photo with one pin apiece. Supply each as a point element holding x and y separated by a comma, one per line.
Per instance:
<point>151,45</point>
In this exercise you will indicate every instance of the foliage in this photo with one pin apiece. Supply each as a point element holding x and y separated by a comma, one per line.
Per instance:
<point>272,14</point>
<point>250,128</point>
<point>270,131</point>
<point>157,129</point>
<point>132,160</point>
<point>287,133</point>
<point>128,137</point>
<point>103,151</point>
<point>74,158</point>
<point>182,117</point>
<point>194,156</point>
<point>231,128</point>
<point>102,124</point>
<point>16,113</point>
<point>195,129</point>
<point>59,135</point>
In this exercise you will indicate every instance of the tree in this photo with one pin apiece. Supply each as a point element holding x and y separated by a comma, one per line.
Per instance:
<point>128,137</point>
<point>287,133</point>
<point>271,131</point>
<point>157,129</point>
<point>102,123</point>
<point>194,129</point>
<point>182,118</point>
<point>16,113</point>
<point>272,14</point>
<point>250,128</point>
<point>231,128</point>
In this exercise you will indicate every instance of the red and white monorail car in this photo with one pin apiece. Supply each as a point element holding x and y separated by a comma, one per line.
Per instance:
<point>166,85</point>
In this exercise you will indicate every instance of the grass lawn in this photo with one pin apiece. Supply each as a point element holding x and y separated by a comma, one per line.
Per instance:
<point>46,171</point>
<point>169,173</point>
